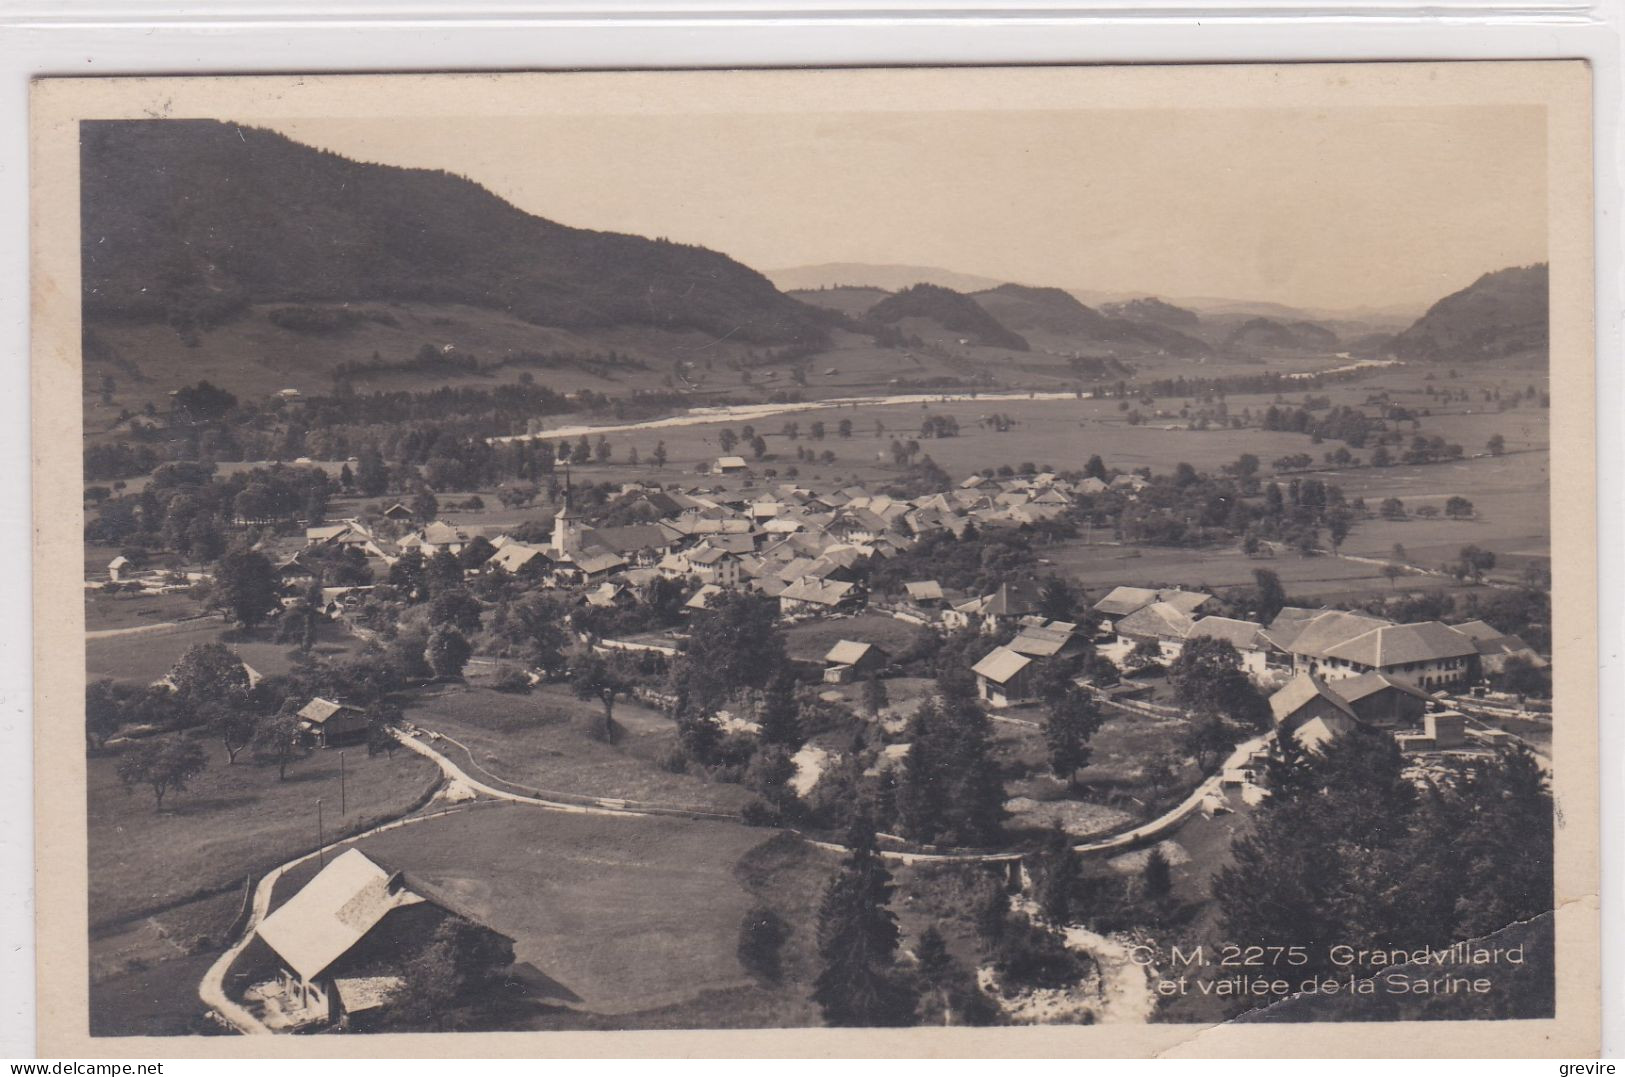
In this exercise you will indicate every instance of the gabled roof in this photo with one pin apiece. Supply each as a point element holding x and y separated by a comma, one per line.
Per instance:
<point>730,461</point>
<point>1243,635</point>
<point>333,912</point>
<point>701,599</point>
<point>1012,600</point>
<point>1000,664</point>
<point>319,710</point>
<point>1354,689</point>
<point>515,555</point>
<point>1122,601</point>
<point>819,592</point>
<point>1299,691</point>
<point>627,538</point>
<point>924,590</point>
<point>1161,620</point>
<point>599,562</point>
<point>1044,641</point>
<point>1392,645</point>
<point>440,533</point>
<point>847,652</point>
<point>1315,636</point>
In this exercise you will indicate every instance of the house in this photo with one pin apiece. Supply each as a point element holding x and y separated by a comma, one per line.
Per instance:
<point>1495,647</point>
<point>731,465</point>
<point>1381,700</point>
<point>1120,602</point>
<point>925,594</point>
<point>849,660</point>
<point>595,565</point>
<point>1306,709</point>
<point>609,595</point>
<point>809,595</point>
<point>343,942</point>
<point>1003,677</point>
<point>639,544</point>
<point>1247,637</point>
<point>397,511</point>
<point>1041,639</point>
<point>703,599</point>
<point>1426,654</point>
<point>1161,623</point>
<point>1008,604</point>
<point>324,723</point>
<point>514,557</point>
<point>116,568</point>
<point>437,537</point>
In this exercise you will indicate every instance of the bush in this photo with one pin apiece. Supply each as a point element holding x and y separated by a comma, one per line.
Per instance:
<point>1033,956</point>
<point>510,679</point>
<point>760,813</point>
<point>761,937</point>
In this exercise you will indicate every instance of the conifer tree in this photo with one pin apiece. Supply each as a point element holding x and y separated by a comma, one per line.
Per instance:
<point>857,942</point>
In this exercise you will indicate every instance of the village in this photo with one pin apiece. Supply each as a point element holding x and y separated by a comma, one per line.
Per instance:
<point>874,642</point>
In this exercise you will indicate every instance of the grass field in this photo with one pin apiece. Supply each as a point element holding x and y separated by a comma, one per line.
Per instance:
<point>110,612</point>
<point>145,656</point>
<point>809,641</point>
<point>615,914</point>
<point>232,821</point>
<point>545,741</point>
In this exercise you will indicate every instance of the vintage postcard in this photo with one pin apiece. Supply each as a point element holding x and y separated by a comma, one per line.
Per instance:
<point>1047,561</point>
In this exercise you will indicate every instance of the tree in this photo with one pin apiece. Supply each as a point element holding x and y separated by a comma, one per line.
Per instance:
<point>1058,601</point>
<point>372,477</point>
<point>1208,673</point>
<point>1338,523</point>
<point>735,645</point>
<point>727,439</point>
<point>1474,561</point>
<point>1393,572</point>
<point>346,477</point>
<point>844,428</point>
<point>762,934</point>
<point>211,684</point>
<point>1458,508</point>
<point>425,506</point>
<point>857,942</point>
<point>1071,718</point>
<point>103,713</point>
<point>457,608</point>
<point>1096,469</point>
<point>460,959</point>
<point>277,741</point>
<point>1157,877</point>
<point>384,717</point>
<point>601,450</point>
<point>1207,740</point>
<point>245,585</point>
<point>780,714</point>
<point>581,453</point>
<point>921,799</point>
<point>1269,595</point>
<point>163,765</point>
<point>448,652</point>
<point>1392,508</point>
<point>1145,654</point>
<point>874,696</point>
<point>594,677</point>
<point>659,455</point>
<point>1056,876</point>
<point>1496,445</point>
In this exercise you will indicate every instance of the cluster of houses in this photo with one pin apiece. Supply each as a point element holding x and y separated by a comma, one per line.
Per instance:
<point>784,541</point>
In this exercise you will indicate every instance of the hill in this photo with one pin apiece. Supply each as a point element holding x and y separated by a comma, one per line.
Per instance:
<point>1154,310</point>
<point>1501,313</point>
<point>853,301</point>
<point>1051,310</point>
<point>188,222</point>
<point>888,278</point>
<point>1292,336</point>
<point>951,310</point>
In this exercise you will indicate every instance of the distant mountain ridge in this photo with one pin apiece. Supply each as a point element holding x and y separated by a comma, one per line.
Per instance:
<point>1501,313</point>
<point>188,221</point>
<point>1268,333</point>
<point>890,278</point>
<point>1152,309</point>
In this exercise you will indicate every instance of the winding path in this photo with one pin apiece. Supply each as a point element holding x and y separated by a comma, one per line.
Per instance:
<point>212,989</point>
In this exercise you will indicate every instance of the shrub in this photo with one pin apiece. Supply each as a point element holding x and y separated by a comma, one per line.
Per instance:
<point>510,679</point>
<point>761,937</point>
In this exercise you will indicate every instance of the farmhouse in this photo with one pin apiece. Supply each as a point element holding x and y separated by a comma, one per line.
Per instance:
<point>343,941</point>
<point>1161,623</point>
<point>1308,710</point>
<point>1495,647</point>
<point>849,660</point>
<point>1010,603</point>
<point>1003,677</point>
<point>731,465</point>
<point>1426,654</point>
<point>925,594</point>
<point>1042,639</point>
<point>1247,637</point>
<point>324,723</point>
<point>1120,602</point>
<point>809,595</point>
<point>1382,700</point>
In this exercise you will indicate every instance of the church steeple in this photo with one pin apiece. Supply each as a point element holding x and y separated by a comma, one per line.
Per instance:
<point>567,524</point>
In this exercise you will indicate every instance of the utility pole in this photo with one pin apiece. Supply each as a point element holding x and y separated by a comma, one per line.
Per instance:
<point>344,808</point>
<point>321,842</point>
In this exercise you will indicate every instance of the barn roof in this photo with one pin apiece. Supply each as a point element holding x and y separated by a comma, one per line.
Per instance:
<point>1317,635</point>
<point>1393,645</point>
<point>1354,689</point>
<point>1243,635</point>
<point>1161,620</point>
<point>1299,691</point>
<point>333,912</point>
<point>319,710</point>
<point>1000,664</point>
<point>924,590</point>
<point>847,652</point>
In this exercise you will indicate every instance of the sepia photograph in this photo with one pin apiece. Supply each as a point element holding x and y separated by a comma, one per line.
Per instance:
<point>969,549</point>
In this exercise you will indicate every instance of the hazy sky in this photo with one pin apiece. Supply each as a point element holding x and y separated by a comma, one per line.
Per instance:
<point>1314,207</point>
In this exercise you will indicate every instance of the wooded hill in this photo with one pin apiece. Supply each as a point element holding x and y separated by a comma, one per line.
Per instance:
<point>1501,313</point>
<point>189,221</point>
